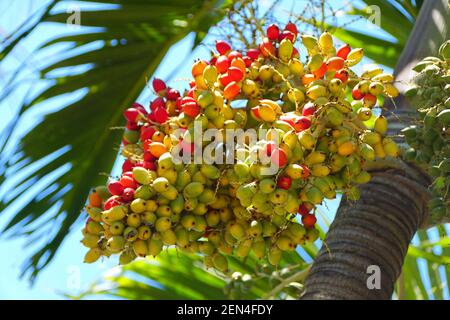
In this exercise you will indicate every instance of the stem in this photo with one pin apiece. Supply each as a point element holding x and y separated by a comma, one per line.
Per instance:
<point>299,276</point>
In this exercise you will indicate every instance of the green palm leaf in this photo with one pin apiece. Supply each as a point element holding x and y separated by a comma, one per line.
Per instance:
<point>78,134</point>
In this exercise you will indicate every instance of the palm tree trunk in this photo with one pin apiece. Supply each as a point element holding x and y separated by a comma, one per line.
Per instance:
<point>376,230</point>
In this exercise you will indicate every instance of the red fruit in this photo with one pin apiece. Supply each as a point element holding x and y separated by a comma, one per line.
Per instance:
<point>370,100</point>
<point>292,28</point>
<point>273,32</point>
<point>248,61</point>
<point>231,90</point>
<point>222,47</point>
<point>151,117</point>
<point>225,79</point>
<point>302,123</point>
<point>127,165</point>
<point>115,188</point>
<point>253,53</point>
<point>235,74</point>
<point>148,156</point>
<point>172,94</point>
<point>150,165</point>
<point>128,194</point>
<point>286,34</point>
<point>308,109</point>
<point>222,64</point>
<point>158,85</point>
<point>306,171</point>
<point>128,182</point>
<point>335,63</point>
<point>284,182</point>
<point>161,115</point>
<point>191,84</point>
<point>266,48</point>
<point>309,220</point>
<point>342,75</point>
<point>157,103</point>
<point>191,109</point>
<point>255,113</point>
<point>139,107</point>
<point>132,126</point>
<point>127,174</point>
<point>270,147</point>
<point>343,51</point>
<point>147,132</point>
<point>191,91</point>
<point>213,60</point>
<point>356,94</point>
<point>303,209</point>
<point>279,157</point>
<point>319,73</point>
<point>131,114</point>
<point>295,53</point>
<point>112,202</point>
<point>233,55</point>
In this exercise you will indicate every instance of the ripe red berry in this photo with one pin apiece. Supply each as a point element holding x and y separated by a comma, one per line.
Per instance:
<point>295,53</point>
<point>139,107</point>
<point>147,132</point>
<point>235,74</point>
<point>319,73</point>
<point>255,113</point>
<point>128,194</point>
<point>266,48</point>
<point>343,51</point>
<point>222,64</point>
<point>157,103</point>
<point>302,123</point>
<point>309,220</point>
<point>306,171</point>
<point>127,165</point>
<point>273,32</point>
<point>132,126</point>
<point>270,147</point>
<point>292,28</point>
<point>284,182</point>
<point>233,55</point>
<point>191,109</point>
<point>172,94</point>
<point>225,79</point>
<point>158,85</point>
<point>303,209</point>
<point>253,53</point>
<point>248,61</point>
<point>148,156</point>
<point>161,115</point>
<point>112,202</point>
<point>342,75</point>
<point>356,94</point>
<point>128,182</point>
<point>279,157</point>
<point>286,34</point>
<point>115,188</point>
<point>131,114</point>
<point>370,100</point>
<point>222,47</point>
<point>308,109</point>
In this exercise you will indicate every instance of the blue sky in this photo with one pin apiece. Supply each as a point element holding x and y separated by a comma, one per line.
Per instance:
<point>67,273</point>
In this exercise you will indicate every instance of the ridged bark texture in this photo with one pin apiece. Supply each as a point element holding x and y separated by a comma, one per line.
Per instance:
<point>377,229</point>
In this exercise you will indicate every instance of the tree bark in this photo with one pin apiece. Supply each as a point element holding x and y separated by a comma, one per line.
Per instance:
<point>376,230</point>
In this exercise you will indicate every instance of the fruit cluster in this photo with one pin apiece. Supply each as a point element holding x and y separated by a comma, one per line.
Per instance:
<point>429,138</point>
<point>311,133</point>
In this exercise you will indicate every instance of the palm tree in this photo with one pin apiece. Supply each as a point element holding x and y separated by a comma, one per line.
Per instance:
<point>146,31</point>
<point>119,49</point>
<point>393,206</point>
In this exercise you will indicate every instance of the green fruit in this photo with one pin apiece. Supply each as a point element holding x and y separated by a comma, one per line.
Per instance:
<point>274,255</point>
<point>160,184</point>
<point>138,205</point>
<point>237,230</point>
<point>444,117</point>
<point>285,243</point>
<point>168,237</point>
<point>220,262</point>
<point>142,175</point>
<point>188,221</point>
<point>90,240</point>
<point>279,196</point>
<point>193,190</point>
<point>148,217</point>
<point>116,228</point>
<point>115,243</point>
<point>177,205</point>
<point>314,195</point>
<point>154,246</point>
<point>130,234</point>
<point>163,224</point>
<point>259,248</point>
<point>144,192</point>
<point>255,229</point>
<point>210,171</point>
<point>126,257</point>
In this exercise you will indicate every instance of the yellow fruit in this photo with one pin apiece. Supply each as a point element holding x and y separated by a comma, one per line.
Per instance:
<point>316,91</point>
<point>379,150</point>
<point>267,113</point>
<point>92,255</point>
<point>320,170</point>
<point>326,41</point>
<point>140,248</point>
<point>390,147</point>
<point>381,125</point>
<point>354,57</point>
<point>390,90</point>
<point>347,148</point>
